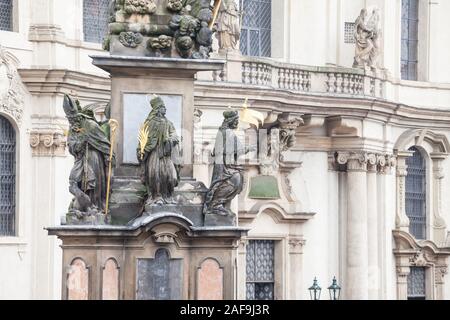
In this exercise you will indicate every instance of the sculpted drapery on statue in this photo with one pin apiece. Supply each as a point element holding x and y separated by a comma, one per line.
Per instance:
<point>227,179</point>
<point>158,153</point>
<point>91,148</point>
<point>367,37</point>
<point>228,26</point>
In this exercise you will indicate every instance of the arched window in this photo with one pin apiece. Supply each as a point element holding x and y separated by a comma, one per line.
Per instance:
<point>6,14</point>
<point>7,178</point>
<point>95,20</point>
<point>256,27</point>
<point>410,39</point>
<point>415,194</point>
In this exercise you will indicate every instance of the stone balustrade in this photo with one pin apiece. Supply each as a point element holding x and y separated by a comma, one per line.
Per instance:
<point>264,72</point>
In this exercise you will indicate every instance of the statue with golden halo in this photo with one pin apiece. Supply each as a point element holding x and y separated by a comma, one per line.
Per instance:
<point>158,153</point>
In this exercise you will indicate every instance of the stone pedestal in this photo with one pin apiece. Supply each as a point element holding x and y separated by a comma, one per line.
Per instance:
<point>143,260</point>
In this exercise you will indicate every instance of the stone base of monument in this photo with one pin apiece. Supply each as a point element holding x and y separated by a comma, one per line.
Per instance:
<point>161,256</point>
<point>192,212</point>
<point>128,196</point>
<point>96,219</point>
<point>213,220</point>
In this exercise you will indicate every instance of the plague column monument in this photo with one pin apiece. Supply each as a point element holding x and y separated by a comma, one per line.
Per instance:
<point>140,226</point>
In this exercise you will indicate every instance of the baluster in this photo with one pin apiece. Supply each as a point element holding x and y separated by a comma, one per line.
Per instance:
<point>339,83</point>
<point>345,83</point>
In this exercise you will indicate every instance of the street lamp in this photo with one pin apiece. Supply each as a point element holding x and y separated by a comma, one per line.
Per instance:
<point>315,290</point>
<point>335,290</point>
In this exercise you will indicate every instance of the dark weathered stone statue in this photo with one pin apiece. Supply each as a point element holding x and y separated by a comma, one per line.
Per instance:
<point>90,146</point>
<point>227,179</point>
<point>158,152</point>
<point>169,28</point>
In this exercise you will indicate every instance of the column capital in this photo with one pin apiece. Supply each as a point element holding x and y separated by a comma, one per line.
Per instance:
<point>355,161</point>
<point>362,161</point>
<point>296,245</point>
<point>440,272</point>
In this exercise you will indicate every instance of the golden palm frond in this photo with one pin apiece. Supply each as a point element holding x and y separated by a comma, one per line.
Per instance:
<point>143,138</point>
<point>251,116</point>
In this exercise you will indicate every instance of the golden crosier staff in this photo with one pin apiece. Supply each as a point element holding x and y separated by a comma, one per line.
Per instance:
<point>217,4</point>
<point>113,125</point>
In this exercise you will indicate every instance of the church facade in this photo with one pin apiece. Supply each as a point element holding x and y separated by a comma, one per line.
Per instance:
<point>354,183</point>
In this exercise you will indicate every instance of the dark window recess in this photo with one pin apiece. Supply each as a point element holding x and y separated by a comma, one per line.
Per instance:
<point>95,20</point>
<point>7,178</point>
<point>256,28</point>
<point>410,39</point>
<point>417,284</point>
<point>260,270</point>
<point>6,14</point>
<point>415,194</point>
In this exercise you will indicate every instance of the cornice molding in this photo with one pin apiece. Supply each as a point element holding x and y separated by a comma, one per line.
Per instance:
<point>321,104</point>
<point>51,81</point>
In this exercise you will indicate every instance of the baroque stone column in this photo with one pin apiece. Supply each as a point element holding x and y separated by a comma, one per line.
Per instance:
<point>372,225</point>
<point>356,287</point>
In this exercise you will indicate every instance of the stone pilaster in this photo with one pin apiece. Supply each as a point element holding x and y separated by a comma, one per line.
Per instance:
<point>295,267</point>
<point>401,220</point>
<point>439,225</point>
<point>48,144</point>
<point>402,282</point>
<point>439,274</point>
<point>372,225</point>
<point>242,267</point>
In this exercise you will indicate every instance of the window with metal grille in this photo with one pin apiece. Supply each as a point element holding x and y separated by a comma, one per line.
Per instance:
<point>256,27</point>
<point>415,194</point>
<point>417,284</point>
<point>349,32</point>
<point>7,178</point>
<point>410,40</point>
<point>95,20</point>
<point>6,14</point>
<point>260,270</point>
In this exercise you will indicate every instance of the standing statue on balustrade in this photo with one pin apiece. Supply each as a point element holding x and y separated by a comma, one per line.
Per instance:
<point>228,26</point>
<point>367,36</point>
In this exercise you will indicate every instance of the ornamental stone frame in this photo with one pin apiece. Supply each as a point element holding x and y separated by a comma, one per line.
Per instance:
<point>431,253</point>
<point>439,145</point>
<point>423,253</point>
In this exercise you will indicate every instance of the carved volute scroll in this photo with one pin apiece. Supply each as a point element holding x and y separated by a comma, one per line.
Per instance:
<point>11,87</point>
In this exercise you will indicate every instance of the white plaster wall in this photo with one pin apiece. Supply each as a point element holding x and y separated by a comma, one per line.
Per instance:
<point>313,184</point>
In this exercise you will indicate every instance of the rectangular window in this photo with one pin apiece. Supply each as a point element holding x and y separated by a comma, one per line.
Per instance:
<point>6,14</point>
<point>7,178</point>
<point>256,27</point>
<point>95,20</point>
<point>349,32</point>
<point>417,284</point>
<point>260,270</point>
<point>415,194</point>
<point>410,39</point>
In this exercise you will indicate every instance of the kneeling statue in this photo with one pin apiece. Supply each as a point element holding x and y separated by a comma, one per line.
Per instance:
<point>227,180</point>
